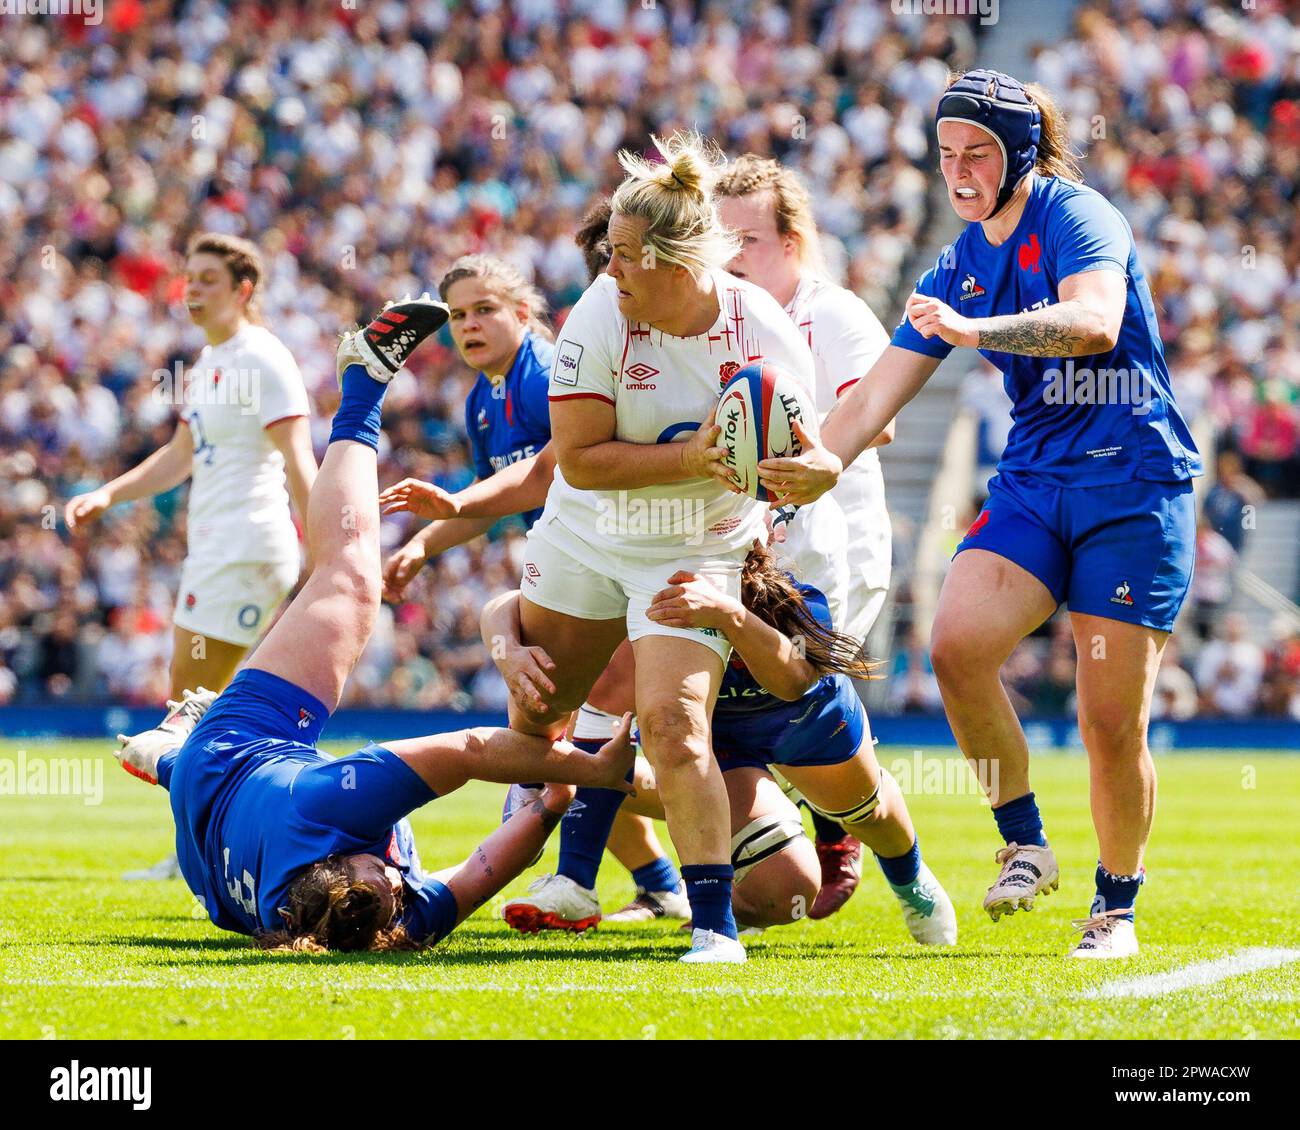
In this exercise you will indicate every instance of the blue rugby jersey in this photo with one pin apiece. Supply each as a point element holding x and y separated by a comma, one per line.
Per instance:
<point>284,806</point>
<point>513,421</point>
<point>1060,431</point>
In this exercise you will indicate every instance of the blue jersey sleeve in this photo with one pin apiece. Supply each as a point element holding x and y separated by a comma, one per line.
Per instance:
<point>905,337</point>
<point>1087,234</point>
<point>362,795</point>
<point>535,405</point>
<point>482,465</point>
<point>428,911</point>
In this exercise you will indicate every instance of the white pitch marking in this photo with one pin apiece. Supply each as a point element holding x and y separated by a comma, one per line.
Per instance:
<point>1196,976</point>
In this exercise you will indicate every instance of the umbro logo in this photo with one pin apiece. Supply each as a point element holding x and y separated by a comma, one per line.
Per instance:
<point>640,375</point>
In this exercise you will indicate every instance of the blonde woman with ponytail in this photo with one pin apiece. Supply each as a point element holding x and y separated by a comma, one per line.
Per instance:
<point>637,372</point>
<point>1092,505</point>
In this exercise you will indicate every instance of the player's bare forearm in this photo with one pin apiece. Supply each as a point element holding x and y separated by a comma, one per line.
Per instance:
<point>447,533</point>
<point>863,414</point>
<point>514,489</point>
<point>1068,329</point>
<point>508,756</point>
<point>506,852</point>
<point>771,656</point>
<point>615,465</point>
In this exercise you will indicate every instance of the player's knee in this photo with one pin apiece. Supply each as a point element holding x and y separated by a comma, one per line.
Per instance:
<point>782,888</point>
<point>1111,730</point>
<point>956,655</point>
<point>674,736</point>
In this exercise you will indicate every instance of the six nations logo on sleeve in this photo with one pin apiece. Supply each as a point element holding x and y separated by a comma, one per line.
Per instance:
<point>566,363</point>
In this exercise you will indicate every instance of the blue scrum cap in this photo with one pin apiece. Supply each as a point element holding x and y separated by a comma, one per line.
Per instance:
<point>1000,105</point>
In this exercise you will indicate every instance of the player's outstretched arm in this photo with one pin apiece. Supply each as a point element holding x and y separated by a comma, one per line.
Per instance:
<point>437,537</point>
<point>167,467</point>
<point>514,489</point>
<point>857,419</point>
<point>508,851</point>
<point>487,753</point>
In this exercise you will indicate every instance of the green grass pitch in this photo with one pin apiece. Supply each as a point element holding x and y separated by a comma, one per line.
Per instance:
<point>84,954</point>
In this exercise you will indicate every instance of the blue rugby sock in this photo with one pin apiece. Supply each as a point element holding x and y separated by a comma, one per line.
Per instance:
<point>901,870</point>
<point>584,831</point>
<point>360,409</point>
<point>660,875</point>
<point>828,832</point>
<point>708,887</point>
<point>1019,822</point>
<point>1117,892</point>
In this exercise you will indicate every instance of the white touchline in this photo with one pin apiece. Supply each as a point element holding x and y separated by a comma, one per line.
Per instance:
<point>1196,976</point>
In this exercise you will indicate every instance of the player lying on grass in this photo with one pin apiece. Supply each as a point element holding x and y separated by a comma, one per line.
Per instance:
<point>786,700</point>
<point>297,849</point>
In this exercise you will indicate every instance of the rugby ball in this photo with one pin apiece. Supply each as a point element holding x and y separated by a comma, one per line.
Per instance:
<point>756,414</point>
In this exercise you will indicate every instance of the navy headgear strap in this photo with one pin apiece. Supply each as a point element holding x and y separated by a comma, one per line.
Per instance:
<point>999,104</point>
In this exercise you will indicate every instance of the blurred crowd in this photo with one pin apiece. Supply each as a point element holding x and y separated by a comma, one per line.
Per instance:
<point>363,148</point>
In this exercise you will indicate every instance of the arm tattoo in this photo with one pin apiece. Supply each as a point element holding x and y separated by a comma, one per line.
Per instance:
<point>548,818</point>
<point>1053,331</point>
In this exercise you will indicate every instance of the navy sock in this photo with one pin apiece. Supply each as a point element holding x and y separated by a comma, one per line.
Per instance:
<point>828,832</point>
<point>1019,822</point>
<point>584,831</point>
<point>660,875</point>
<point>708,886</point>
<point>901,870</point>
<point>360,409</point>
<point>1117,892</point>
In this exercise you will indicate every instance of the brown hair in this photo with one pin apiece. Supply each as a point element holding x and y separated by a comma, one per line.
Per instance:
<point>1055,158</point>
<point>507,281</point>
<point>772,596</point>
<point>593,236</point>
<point>241,257</point>
<point>329,910</point>
<point>751,173</point>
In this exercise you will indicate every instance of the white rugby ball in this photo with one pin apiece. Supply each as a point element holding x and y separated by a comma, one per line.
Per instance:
<point>756,414</point>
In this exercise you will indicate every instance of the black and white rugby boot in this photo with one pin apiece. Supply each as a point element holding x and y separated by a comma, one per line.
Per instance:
<point>386,344</point>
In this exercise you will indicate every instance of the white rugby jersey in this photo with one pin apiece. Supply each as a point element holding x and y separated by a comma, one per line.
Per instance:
<point>661,387</point>
<point>239,500</point>
<point>846,339</point>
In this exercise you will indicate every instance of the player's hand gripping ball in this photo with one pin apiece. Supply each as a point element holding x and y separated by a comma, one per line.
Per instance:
<point>764,413</point>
